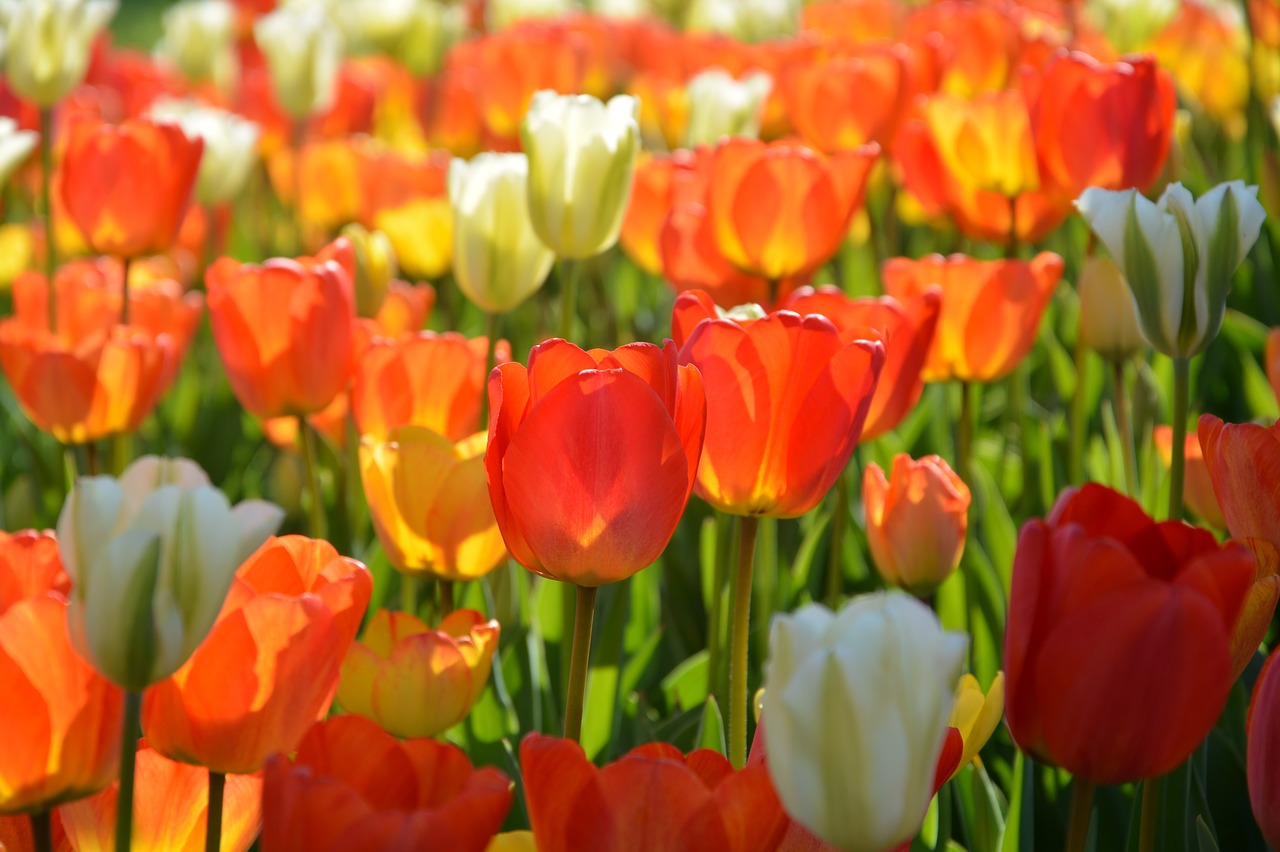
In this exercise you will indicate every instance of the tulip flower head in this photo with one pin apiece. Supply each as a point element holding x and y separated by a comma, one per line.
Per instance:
<point>719,106</point>
<point>199,39</point>
<point>1178,255</point>
<point>230,146</point>
<point>1263,756</point>
<point>303,47</point>
<point>47,44</point>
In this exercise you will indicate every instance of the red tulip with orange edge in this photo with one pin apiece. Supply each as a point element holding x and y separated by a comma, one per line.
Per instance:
<point>352,786</point>
<point>1197,487</point>
<point>1263,750</point>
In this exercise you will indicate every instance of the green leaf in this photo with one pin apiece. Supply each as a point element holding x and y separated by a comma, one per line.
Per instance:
<point>1205,836</point>
<point>601,711</point>
<point>686,687</point>
<point>1019,824</point>
<point>711,728</point>
<point>988,820</point>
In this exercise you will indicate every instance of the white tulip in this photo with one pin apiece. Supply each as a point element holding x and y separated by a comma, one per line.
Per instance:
<point>47,44</point>
<point>500,14</point>
<point>719,106</point>
<point>303,47</point>
<point>199,40</point>
<point>230,146</point>
<point>15,146</point>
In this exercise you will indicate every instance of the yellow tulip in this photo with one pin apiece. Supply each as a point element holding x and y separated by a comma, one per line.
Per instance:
<point>421,232</point>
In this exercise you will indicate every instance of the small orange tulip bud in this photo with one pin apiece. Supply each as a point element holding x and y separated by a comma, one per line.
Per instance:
<point>916,521</point>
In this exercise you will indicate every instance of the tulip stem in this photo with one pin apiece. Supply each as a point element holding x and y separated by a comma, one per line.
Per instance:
<point>1081,813</point>
<point>46,199</point>
<point>125,263</point>
<point>715,619</point>
<point>568,296</point>
<point>91,458</point>
<point>492,330</point>
<point>839,517</point>
<point>583,615</point>
<point>42,831</point>
<point>311,463</point>
<point>1181,392</point>
<point>409,594</point>
<point>747,527</point>
<point>1011,250</point>
<point>213,822</point>
<point>1147,818</point>
<point>128,759</point>
<point>1125,427</point>
<point>446,597</point>
<point>964,431</point>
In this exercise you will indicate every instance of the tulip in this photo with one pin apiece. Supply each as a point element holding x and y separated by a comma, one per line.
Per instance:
<point>916,521</point>
<point>886,670</point>
<point>581,155</point>
<point>415,681</point>
<point>416,33</point>
<point>1178,255</point>
<point>848,101</point>
<point>745,20</point>
<point>302,47</point>
<point>1103,597</point>
<point>1108,314</point>
<point>719,106</point>
<point>127,186</point>
<point>1272,358</point>
<point>47,44</point>
<point>351,786</point>
<point>1198,492</point>
<point>421,231</point>
<point>430,503</point>
<point>230,146</point>
<point>498,259</point>
<point>1206,49</point>
<point>60,717</point>
<point>199,40</point>
<point>284,329</point>
<point>654,797</point>
<point>985,142</point>
<point>1130,25</point>
<point>172,808</point>
<point>991,310</point>
<point>269,667</point>
<point>974,717</point>
<point>151,557</point>
<point>15,146</point>
<point>375,268</point>
<point>1263,756</point>
<point>568,509</point>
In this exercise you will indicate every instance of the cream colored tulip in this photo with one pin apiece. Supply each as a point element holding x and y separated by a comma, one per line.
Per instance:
<point>303,47</point>
<point>199,40</point>
<point>47,44</point>
<point>230,146</point>
<point>15,146</point>
<point>719,106</point>
<point>1108,315</point>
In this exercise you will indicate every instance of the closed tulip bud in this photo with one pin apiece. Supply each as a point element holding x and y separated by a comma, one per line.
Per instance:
<point>581,155</point>
<point>151,556</point>
<point>198,40</point>
<point>745,20</point>
<point>1263,760</point>
<point>916,521</point>
<point>856,707</point>
<point>47,44</point>
<point>719,106</point>
<point>1108,315</point>
<point>1178,255</point>
<point>376,267</point>
<point>303,48</point>
<point>498,259</point>
<point>15,146</point>
<point>975,716</point>
<point>230,146</point>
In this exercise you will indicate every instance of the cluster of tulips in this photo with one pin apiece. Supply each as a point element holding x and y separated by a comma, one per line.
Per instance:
<point>665,249</point>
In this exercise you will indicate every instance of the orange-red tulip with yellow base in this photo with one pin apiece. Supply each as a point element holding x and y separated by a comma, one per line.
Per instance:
<point>848,100</point>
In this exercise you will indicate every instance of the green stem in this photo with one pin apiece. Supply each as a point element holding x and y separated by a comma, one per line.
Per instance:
<point>568,296</point>
<point>213,822</point>
<point>69,466</point>
<point>1181,392</point>
<point>747,527</point>
<point>1081,813</point>
<point>835,568</point>
<point>964,431</point>
<point>583,616</point>
<point>46,199</point>
<point>312,464</point>
<point>446,597</point>
<point>1076,418</point>
<point>91,458</point>
<point>1125,427</point>
<point>42,831</point>
<point>128,761</point>
<point>409,594</point>
<point>715,619</point>
<point>125,263</point>
<point>492,330</point>
<point>1147,819</point>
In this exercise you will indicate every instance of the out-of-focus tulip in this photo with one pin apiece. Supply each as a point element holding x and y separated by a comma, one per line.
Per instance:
<point>720,106</point>
<point>888,652</point>
<point>15,146</point>
<point>498,258</point>
<point>151,557</point>
<point>1263,756</point>
<point>786,399</point>
<point>284,329</point>
<point>1197,489</point>
<point>269,667</point>
<point>986,141</point>
<point>501,14</point>
<point>581,155</point>
<point>991,310</point>
<point>199,40</point>
<point>1271,356</point>
<point>745,20</point>
<point>592,457</point>
<point>352,786</point>
<point>781,209</point>
<point>430,503</point>
<point>1129,25</point>
<point>848,101</point>
<point>653,797</point>
<point>47,44</point>
<point>303,47</point>
<point>916,521</point>
<point>906,329</point>
<point>1108,314</point>
<point>1206,48</point>
<point>651,202</point>
<point>416,33</point>
<point>1178,255</point>
<point>230,146</point>
<point>422,232</point>
<point>1103,598</point>
<point>415,681</point>
<point>127,186</point>
<point>1242,460</point>
<point>171,805</point>
<point>375,267</point>
<point>513,841</point>
<point>63,717</point>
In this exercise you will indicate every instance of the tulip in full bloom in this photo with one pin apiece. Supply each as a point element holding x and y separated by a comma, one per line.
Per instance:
<point>916,521</point>
<point>1108,315</point>
<point>302,46</point>
<point>720,106</point>
<point>1178,255</point>
<point>1103,598</point>
<point>1263,756</point>
<point>47,44</point>
<point>883,669</point>
<point>230,146</point>
<point>61,717</point>
<point>416,681</point>
<point>581,155</point>
<point>498,259</point>
<point>352,786</point>
<point>151,557</point>
<point>199,40</point>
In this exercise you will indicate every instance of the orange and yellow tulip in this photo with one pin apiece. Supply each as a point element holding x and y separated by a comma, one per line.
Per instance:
<point>848,100</point>
<point>415,681</point>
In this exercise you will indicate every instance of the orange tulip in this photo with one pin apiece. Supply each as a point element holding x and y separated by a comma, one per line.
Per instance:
<point>1206,49</point>
<point>848,100</point>
<point>985,142</point>
<point>284,330</point>
<point>592,457</point>
<point>916,521</point>
<point>128,186</point>
<point>654,797</point>
<point>453,110</point>
<point>269,667</point>
<point>415,681</point>
<point>853,21</point>
<point>979,44</point>
<point>170,809</point>
<point>1197,489</point>
<point>906,329</point>
<point>352,786</point>
<point>61,719</point>
<point>664,109</point>
<point>649,206</point>
<point>1272,359</point>
<point>782,209</point>
<point>1242,460</point>
<point>787,397</point>
<point>991,310</point>
<point>329,183</point>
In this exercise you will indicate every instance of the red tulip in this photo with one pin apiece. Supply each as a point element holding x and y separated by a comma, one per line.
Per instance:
<point>1263,757</point>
